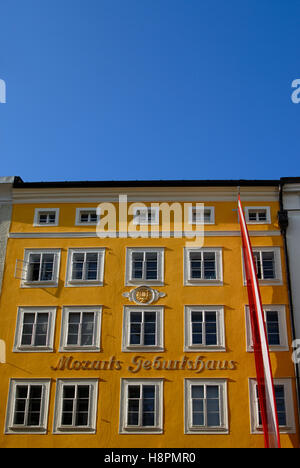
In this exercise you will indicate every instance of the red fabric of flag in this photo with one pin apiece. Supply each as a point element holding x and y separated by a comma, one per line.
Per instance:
<point>265,384</point>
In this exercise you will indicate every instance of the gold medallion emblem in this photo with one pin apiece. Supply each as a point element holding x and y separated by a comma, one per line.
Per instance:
<point>143,295</point>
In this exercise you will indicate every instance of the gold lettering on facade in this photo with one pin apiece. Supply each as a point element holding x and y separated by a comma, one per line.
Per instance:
<point>138,363</point>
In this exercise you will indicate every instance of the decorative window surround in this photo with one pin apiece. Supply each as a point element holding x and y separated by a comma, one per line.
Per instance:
<point>35,329</point>
<point>146,216</point>
<point>141,406</point>
<point>268,265</point>
<point>81,329</point>
<point>144,266</point>
<point>203,267</point>
<point>27,408</point>
<point>85,267</point>
<point>46,217</point>
<point>143,329</point>
<point>285,406</point>
<point>204,328</point>
<point>200,216</point>
<point>275,319</point>
<point>86,217</point>
<point>258,214</point>
<point>40,268</point>
<point>75,406</point>
<point>205,406</point>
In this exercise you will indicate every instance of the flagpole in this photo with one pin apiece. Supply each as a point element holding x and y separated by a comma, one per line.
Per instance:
<point>265,384</point>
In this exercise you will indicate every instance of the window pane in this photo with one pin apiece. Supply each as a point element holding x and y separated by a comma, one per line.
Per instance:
<point>87,329</point>
<point>133,405</point>
<point>268,265</point>
<point>151,265</point>
<point>197,391</point>
<point>195,264</point>
<point>91,266</point>
<point>209,265</point>
<point>82,410</point>
<point>34,407</point>
<point>46,273</point>
<point>68,405</point>
<point>27,332</point>
<point>273,327</point>
<point>280,403</point>
<point>34,267</point>
<point>73,328</point>
<point>137,265</point>
<point>135,327</point>
<point>20,404</point>
<point>150,328</point>
<point>148,405</point>
<point>77,266</point>
<point>211,328</point>
<point>41,329</point>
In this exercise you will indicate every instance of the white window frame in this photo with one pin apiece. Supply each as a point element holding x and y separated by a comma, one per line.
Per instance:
<point>159,346</point>
<point>160,266</point>
<point>189,281</point>
<point>39,211</point>
<point>74,283</point>
<point>96,345</point>
<point>188,425</point>
<point>25,283</point>
<point>58,428</point>
<point>18,346</point>
<point>158,427</point>
<point>79,211</point>
<point>278,269</point>
<point>10,427</point>
<point>255,428</point>
<point>141,216</point>
<point>188,345</point>
<point>200,215</point>
<point>258,208</point>
<point>281,309</point>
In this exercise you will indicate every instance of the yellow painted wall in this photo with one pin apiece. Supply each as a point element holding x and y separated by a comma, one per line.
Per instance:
<point>233,295</point>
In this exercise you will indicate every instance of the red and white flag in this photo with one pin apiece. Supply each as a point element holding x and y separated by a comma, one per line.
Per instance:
<point>265,384</point>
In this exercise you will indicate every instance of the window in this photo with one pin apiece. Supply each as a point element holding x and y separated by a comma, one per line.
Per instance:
<point>275,320</point>
<point>202,266</point>
<point>204,328</point>
<point>201,216</point>
<point>46,217</point>
<point>81,329</point>
<point>40,268</point>
<point>268,265</point>
<point>144,266</point>
<point>141,409</point>
<point>75,406</point>
<point>284,403</point>
<point>206,406</point>
<point>86,216</point>
<point>85,267</point>
<point>27,409</point>
<point>146,216</point>
<point>258,214</point>
<point>35,329</point>
<point>143,329</point>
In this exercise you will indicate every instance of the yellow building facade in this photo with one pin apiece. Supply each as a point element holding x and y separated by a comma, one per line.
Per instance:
<point>140,341</point>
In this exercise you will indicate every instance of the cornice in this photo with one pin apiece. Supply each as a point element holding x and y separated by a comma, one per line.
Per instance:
<point>142,194</point>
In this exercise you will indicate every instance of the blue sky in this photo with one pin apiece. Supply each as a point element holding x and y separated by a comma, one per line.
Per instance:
<point>149,89</point>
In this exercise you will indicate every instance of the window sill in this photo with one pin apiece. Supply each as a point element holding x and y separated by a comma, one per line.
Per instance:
<point>86,283</point>
<point>144,349</point>
<point>26,430</point>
